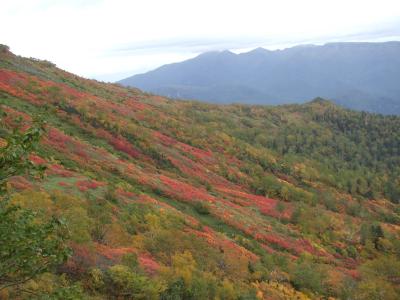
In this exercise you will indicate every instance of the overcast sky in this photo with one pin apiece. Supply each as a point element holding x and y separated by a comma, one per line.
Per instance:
<point>112,39</point>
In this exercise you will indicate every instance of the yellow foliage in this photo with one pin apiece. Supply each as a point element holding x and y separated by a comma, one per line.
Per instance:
<point>116,236</point>
<point>224,137</point>
<point>152,221</point>
<point>183,266</point>
<point>78,224</point>
<point>227,290</point>
<point>236,265</point>
<point>277,291</point>
<point>385,244</point>
<point>43,283</point>
<point>138,242</point>
<point>36,201</point>
<point>64,201</point>
<point>375,289</point>
<point>95,279</point>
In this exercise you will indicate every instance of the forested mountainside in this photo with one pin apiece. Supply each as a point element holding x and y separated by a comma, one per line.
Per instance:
<point>144,197</point>
<point>361,76</point>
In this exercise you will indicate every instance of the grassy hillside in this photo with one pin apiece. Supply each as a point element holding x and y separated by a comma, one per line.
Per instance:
<point>172,199</point>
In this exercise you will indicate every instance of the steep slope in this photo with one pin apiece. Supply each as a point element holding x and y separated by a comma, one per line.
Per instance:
<point>185,200</point>
<point>362,76</point>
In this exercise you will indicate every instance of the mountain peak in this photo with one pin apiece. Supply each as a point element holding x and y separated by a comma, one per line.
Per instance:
<point>227,52</point>
<point>217,53</point>
<point>260,50</point>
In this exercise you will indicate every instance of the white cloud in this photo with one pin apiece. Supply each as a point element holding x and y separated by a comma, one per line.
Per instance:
<point>102,38</point>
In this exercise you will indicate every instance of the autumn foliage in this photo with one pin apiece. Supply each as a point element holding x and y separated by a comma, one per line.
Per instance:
<point>184,200</point>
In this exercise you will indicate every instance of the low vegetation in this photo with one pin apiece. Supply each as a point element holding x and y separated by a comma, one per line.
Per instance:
<point>118,194</point>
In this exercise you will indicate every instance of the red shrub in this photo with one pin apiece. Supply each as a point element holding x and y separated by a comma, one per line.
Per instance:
<point>136,105</point>
<point>124,193</point>
<point>82,259</point>
<point>84,185</point>
<point>164,139</point>
<point>57,137</point>
<point>37,160</point>
<point>59,171</point>
<point>20,183</point>
<point>122,145</point>
<point>82,153</point>
<point>115,255</point>
<point>148,263</point>
<point>184,191</point>
<point>219,241</point>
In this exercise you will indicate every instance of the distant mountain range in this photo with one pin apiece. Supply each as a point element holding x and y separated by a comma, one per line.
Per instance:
<point>361,76</point>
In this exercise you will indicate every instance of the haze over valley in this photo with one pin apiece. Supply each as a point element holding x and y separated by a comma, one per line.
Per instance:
<point>361,76</point>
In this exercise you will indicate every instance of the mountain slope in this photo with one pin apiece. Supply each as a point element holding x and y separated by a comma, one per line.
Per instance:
<point>186,200</point>
<point>362,76</point>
